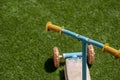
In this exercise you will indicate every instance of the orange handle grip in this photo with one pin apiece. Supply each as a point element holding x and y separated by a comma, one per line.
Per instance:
<point>50,26</point>
<point>112,51</point>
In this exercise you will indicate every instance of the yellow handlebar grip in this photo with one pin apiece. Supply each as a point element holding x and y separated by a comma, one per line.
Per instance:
<point>112,51</point>
<point>50,26</point>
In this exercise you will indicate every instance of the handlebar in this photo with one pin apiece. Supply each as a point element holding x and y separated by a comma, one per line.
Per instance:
<point>50,26</point>
<point>106,47</point>
<point>111,50</point>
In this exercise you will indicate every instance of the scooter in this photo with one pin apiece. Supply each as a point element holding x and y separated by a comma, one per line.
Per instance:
<point>76,67</point>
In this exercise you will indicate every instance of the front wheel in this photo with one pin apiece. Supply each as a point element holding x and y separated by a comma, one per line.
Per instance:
<point>56,57</point>
<point>91,55</point>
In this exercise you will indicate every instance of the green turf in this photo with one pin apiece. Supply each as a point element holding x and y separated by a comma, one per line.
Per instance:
<point>26,48</point>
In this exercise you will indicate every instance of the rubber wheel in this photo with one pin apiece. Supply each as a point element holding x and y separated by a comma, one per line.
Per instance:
<point>56,57</point>
<point>91,55</point>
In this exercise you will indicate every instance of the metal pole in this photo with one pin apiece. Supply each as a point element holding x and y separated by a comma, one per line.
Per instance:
<point>72,54</point>
<point>82,38</point>
<point>84,60</point>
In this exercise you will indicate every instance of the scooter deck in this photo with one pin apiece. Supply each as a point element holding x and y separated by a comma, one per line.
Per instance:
<point>73,69</point>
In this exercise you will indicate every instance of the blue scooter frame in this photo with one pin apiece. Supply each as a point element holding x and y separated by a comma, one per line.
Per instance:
<point>85,41</point>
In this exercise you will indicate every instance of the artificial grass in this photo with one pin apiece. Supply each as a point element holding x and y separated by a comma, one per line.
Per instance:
<point>26,48</point>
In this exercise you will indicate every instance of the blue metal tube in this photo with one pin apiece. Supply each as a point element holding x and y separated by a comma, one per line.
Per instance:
<point>84,60</point>
<point>83,38</point>
<point>70,33</point>
<point>90,41</point>
<point>71,55</point>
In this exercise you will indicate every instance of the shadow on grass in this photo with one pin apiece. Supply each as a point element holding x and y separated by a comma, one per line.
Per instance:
<point>89,65</point>
<point>62,75</point>
<point>49,65</point>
